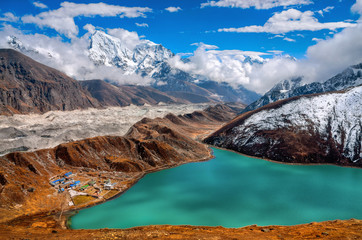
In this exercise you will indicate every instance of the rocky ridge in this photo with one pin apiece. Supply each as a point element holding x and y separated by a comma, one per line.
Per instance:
<point>350,77</point>
<point>125,95</point>
<point>28,86</point>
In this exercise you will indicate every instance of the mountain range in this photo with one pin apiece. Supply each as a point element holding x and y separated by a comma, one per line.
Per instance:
<point>151,60</point>
<point>27,86</point>
<point>350,77</point>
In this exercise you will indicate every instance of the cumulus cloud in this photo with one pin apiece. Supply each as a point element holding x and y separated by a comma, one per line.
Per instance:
<point>173,9</point>
<point>128,39</point>
<point>62,19</point>
<point>231,66</point>
<point>257,4</point>
<point>289,21</point>
<point>330,56</point>
<point>323,60</point>
<point>69,57</point>
<point>9,17</point>
<point>357,7</point>
<point>90,28</point>
<point>40,5</point>
<point>142,25</point>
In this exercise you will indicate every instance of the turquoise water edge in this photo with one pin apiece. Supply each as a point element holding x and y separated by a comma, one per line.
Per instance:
<point>232,190</point>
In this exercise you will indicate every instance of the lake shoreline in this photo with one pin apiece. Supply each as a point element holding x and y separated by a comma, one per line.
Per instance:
<point>279,177</point>
<point>69,214</point>
<point>286,163</point>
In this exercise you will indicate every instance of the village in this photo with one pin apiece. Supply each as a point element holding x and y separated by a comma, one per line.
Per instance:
<point>83,189</point>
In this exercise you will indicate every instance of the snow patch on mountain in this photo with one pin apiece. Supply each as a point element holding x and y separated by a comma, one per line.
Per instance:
<point>350,77</point>
<point>143,59</point>
<point>335,115</point>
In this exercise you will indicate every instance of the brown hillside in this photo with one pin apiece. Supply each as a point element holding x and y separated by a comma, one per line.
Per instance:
<point>28,86</point>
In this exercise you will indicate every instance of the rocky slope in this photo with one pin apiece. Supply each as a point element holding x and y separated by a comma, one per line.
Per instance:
<point>325,128</point>
<point>350,77</point>
<point>150,145</point>
<point>28,86</point>
<point>124,95</point>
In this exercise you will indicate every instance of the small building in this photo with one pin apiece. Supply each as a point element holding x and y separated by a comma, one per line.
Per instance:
<point>91,182</point>
<point>67,174</point>
<point>58,181</point>
<point>75,184</point>
<point>84,187</point>
<point>108,185</point>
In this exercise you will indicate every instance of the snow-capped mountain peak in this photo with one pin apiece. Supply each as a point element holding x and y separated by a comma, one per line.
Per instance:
<point>110,51</point>
<point>17,44</point>
<point>350,77</point>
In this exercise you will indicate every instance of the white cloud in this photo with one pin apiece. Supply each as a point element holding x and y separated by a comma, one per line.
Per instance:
<point>173,9</point>
<point>289,39</point>
<point>288,21</point>
<point>325,10</point>
<point>62,19</point>
<point>277,36</point>
<point>142,25</point>
<point>331,56</point>
<point>128,39</point>
<point>257,4</point>
<point>40,5</point>
<point>9,17</point>
<point>90,28</point>
<point>231,66</point>
<point>323,60</point>
<point>317,39</point>
<point>69,57</point>
<point>276,52</point>
<point>357,7</point>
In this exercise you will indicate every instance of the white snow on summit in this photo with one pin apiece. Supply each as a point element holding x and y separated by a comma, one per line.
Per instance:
<point>143,59</point>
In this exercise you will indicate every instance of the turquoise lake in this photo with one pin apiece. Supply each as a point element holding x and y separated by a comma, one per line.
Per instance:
<point>232,191</point>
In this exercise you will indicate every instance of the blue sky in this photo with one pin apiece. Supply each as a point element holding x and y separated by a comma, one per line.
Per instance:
<point>193,24</point>
<point>323,36</point>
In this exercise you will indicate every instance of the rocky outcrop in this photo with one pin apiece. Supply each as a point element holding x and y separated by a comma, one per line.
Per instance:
<point>27,86</point>
<point>325,128</point>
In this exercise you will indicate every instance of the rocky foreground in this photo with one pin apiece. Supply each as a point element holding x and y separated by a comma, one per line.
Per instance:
<point>348,229</point>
